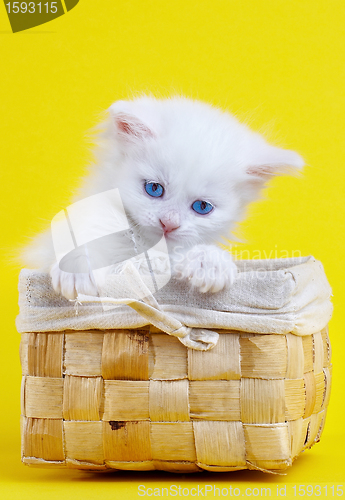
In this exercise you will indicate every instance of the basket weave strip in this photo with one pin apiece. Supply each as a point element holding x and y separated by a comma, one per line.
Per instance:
<point>140,400</point>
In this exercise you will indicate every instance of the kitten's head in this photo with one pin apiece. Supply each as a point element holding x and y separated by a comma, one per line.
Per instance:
<point>187,167</point>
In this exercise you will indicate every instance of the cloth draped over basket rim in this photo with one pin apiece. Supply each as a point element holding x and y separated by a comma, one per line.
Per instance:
<point>268,296</point>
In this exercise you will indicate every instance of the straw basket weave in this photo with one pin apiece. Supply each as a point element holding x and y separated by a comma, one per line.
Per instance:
<point>136,398</point>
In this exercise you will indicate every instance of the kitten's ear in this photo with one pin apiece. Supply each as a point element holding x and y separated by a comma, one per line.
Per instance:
<point>129,123</point>
<point>265,161</point>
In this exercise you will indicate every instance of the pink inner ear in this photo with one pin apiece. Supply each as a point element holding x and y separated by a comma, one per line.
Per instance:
<point>131,127</point>
<point>262,171</point>
<point>124,127</point>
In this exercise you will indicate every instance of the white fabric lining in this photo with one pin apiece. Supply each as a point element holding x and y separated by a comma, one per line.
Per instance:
<point>269,296</point>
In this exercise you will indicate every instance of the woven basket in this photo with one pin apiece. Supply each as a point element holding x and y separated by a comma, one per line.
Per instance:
<point>138,399</point>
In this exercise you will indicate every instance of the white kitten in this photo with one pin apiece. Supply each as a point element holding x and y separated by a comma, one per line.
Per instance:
<point>182,166</point>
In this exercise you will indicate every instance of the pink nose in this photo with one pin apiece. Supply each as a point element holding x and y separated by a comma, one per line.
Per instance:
<point>170,221</point>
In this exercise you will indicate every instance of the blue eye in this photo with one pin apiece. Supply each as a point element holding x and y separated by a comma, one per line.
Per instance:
<point>154,189</point>
<point>202,207</point>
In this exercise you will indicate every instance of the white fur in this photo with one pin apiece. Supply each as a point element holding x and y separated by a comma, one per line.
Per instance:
<point>197,152</point>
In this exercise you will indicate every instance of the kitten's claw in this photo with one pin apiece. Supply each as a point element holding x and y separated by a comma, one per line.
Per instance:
<point>69,285</point>
<point>208,268</point>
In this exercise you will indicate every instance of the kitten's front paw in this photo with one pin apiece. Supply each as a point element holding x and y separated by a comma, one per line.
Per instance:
<point>208,268</point>
<point>70,285</point>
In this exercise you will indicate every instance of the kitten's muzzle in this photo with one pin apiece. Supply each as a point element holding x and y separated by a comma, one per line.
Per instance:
<point>170,221</point>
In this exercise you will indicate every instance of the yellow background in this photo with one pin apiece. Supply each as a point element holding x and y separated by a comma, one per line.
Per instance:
<point>278,64</point>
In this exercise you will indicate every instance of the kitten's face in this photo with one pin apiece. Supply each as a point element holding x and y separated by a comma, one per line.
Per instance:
<point>186,167</point>
<point>188,196</point>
